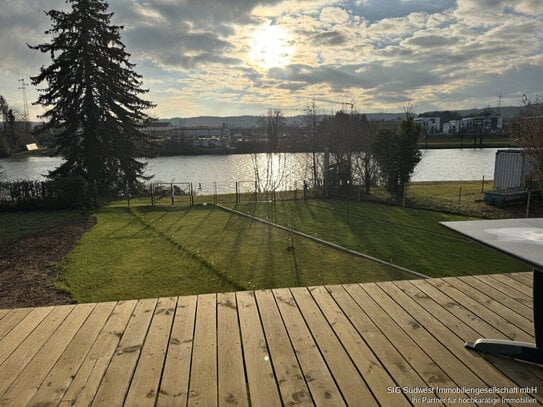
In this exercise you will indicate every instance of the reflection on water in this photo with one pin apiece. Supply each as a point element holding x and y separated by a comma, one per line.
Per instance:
<point>225,170</point>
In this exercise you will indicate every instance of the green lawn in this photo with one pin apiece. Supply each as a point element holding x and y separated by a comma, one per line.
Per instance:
<point>408,237</point>
<point>144,251</point>
<point>161,251</point>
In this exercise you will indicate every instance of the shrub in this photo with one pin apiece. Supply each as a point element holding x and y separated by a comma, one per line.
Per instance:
<point>61,193</point>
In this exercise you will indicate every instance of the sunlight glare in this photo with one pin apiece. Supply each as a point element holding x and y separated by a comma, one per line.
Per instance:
<point>271,47</point>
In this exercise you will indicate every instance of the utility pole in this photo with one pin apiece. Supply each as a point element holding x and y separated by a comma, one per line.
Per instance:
<point>25,103</point>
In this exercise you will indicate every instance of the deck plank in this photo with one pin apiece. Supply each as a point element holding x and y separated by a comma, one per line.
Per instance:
<point>436,351</point>
<point>85,384</point>
<point>517,372</point>
<point>260,377</point>
<point>17,362</point>
<point>145,383</point>
<point>322,386</point>
<point>515,283</point>
<point>352,386</point>
<point>431,372</point>
<point>58,380</point>
<point>482,312</point>
<point>174,386</point>
<point>28,382</point>
<point>449,331</point>
<point>497,304</point>
<point>292,385</point>
<point>232,389</point>
<point>500,286</point>
<point>353,344</point>
<point>21,329</point>
<point>403,374</point>
<point>524,278</point>
<point>360,353</point>
<point>117,378</point>
<point>11,319</point>
<point>203,372</point>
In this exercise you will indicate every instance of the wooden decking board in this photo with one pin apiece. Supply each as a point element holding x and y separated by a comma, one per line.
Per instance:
<point>203,375</point>
<point>463,330</point>
<point>324,390</point>
<point>513,304</point>
<point>525,278</point>
<point>117,378</point>
<point>435,350</point>
<point>517,372</point>
<point>292,386</point>
<point>11,318</point>
<point>28,382</point>
<point>400,370</point>
<point>480,311</point>
<point>352,386</point>
<point>21,328</point>
<point>263,389</point>
<point>515,283</point>
<point>174,385</point>
<point>146,380</point>
<point>355,344</point>
<point>86,382</point>
<point>360,353</point>
<point>499,286</point>
<point>61,375</point>
<point>432,374</point>
<point>20,357</point>
<point>498,306</point>
<point>232,390</point>
<point>448,330</point>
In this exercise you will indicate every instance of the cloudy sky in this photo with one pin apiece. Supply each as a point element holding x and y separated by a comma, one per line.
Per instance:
<point>234,57</point>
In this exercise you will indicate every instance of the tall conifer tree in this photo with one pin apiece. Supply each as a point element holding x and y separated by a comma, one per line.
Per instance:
<point>93,98</point>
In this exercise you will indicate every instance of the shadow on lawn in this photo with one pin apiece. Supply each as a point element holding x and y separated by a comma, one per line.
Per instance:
<point>185,250</point>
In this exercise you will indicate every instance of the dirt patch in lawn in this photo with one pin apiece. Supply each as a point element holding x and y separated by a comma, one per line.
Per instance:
<point>28,267</point>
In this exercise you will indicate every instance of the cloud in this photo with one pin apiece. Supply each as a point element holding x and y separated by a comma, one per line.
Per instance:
<point>375,10</point>
<point>194,54</point>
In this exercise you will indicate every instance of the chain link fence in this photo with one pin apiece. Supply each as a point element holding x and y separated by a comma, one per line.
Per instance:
<point>237,192</point>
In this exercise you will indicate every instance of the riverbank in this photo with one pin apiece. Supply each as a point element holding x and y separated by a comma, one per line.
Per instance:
<point>432,142</point>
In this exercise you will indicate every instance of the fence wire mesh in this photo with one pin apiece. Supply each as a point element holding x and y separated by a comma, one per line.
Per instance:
<point>238,192</point>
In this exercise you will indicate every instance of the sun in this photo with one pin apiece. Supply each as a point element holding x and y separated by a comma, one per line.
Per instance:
<point>271,47</point>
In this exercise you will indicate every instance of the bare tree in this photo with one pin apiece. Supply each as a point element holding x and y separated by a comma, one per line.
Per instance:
<point>270,167</point>
<point>310,125</point>
<point>527,132</point>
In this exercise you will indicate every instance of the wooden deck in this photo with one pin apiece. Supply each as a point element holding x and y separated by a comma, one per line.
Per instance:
<point>390,344</point>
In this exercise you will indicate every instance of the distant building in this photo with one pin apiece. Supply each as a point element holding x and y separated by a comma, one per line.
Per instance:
<point>158,129</point>
<point>488,124</point>
<point>430,125</point>
<point>202,136</point>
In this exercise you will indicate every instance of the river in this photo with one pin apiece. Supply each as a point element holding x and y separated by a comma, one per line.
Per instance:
<point>436,165</point>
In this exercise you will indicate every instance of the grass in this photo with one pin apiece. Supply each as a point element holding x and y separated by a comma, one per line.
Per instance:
<point>15,226</point>
<point>408,237</point>
<point>143,252</point>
